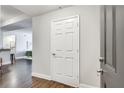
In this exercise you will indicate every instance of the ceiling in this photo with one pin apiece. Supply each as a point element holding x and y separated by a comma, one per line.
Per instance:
<point>10,11</point>
<point>34,10</point>
<point>19,25</point>
<point>7,12</point>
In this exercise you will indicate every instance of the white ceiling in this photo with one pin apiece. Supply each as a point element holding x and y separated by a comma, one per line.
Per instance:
<point>34,10</point>
<point>7,12</point>
<point>19,25</point>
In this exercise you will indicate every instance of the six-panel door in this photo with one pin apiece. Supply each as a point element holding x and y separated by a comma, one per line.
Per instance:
<point>65,50</point>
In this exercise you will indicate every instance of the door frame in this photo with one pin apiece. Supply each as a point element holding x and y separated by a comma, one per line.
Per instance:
<point>78,46</point>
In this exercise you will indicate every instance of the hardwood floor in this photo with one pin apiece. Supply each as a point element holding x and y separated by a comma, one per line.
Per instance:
<point>19,76</point>
<point>42,83</point>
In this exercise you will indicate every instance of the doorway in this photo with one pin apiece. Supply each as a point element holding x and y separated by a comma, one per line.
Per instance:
<point>65,50</point>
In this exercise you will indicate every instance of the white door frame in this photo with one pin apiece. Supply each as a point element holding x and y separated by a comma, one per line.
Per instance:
<point>77,39</point>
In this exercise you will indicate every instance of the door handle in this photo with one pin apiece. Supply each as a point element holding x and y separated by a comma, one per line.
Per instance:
<point>100,71</point>
<point>101,59</point>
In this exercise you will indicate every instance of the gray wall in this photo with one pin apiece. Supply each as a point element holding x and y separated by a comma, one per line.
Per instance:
<point>89,41</point>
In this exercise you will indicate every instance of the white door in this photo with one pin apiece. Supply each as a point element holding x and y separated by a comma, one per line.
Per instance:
<point>65,50</point>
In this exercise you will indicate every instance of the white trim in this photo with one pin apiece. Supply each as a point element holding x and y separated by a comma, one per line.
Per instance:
<point>87,86</point>
<point>21,57</point>
<point>43,76</point>
<point>24,57</point>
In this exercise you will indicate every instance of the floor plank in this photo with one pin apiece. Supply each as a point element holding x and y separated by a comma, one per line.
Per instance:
<point>17,75</point>
<point>42,83</point>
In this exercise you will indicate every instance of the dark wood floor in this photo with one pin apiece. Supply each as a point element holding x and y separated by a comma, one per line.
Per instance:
<point>19,76</point>
<point>42,83</point>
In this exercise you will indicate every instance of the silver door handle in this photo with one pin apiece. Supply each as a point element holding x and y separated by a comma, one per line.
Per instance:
<point>100,71</point>
<point>101,59</point>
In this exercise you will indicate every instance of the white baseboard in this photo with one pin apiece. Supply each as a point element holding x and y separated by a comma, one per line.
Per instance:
<point>87,86</point>
<point>23,57</point>
<point>41,76</point>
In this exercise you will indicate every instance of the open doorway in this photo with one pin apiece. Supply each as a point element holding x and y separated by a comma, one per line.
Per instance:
<point>18,38</point>
<point>15,48</point>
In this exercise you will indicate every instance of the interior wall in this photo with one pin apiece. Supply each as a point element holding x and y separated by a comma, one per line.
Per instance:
<point>22,36</point>
<point>89,41</point>
<point>0,39</point>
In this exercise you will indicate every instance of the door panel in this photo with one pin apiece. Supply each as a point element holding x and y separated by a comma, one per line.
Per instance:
<point>58,42</point>
<point>112,36</point>
<point>109,36</point>
<point>59,65</point>
<point>68,42</point>
<point>65,47</point>
<point>68,69</point>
